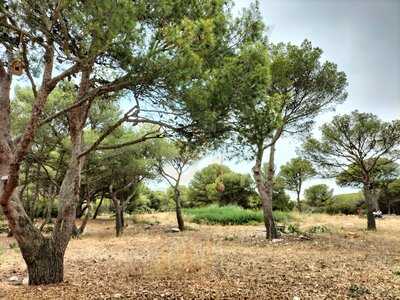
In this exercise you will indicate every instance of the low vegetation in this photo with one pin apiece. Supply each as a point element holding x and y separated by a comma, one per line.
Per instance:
<point>231,215</point>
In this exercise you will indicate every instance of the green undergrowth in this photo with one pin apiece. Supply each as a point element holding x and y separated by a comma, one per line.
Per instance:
<point>231,215</point>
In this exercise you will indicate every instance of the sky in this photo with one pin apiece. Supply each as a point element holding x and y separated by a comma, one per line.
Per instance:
<point>361,36</point>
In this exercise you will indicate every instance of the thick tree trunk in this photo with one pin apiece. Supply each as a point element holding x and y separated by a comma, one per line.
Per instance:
<point>371,198</point>
<point>46,266</point>
<point>178,210</point>
<point>43,256</point>
<point>265,192</point>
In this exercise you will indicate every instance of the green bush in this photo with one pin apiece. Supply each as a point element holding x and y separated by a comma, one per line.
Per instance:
<point>282,216</point>
<point>344,204</point>
<point>316,229</point>
<point>230,215</point>
<point>294,229</point>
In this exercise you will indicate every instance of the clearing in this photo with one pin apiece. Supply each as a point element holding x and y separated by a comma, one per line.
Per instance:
<point>220,262</point>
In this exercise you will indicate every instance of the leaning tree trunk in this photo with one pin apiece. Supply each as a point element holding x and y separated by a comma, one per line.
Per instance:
<point>68,199</point>
<point>43,257</point>
<point>178,210</point>
<point>98,207</point>
<point>371,198</point>
<point>265,192</point>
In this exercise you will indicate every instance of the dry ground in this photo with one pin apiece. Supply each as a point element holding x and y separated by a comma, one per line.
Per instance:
<point>216,262</point>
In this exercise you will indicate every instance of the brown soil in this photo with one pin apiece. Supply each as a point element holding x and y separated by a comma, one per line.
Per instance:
<point>216,262</point>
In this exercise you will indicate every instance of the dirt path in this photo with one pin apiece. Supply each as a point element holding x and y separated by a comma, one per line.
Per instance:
<point>215,262</point>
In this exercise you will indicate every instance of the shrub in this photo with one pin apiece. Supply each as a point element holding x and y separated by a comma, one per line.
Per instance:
<point>344,204</point>
<point>319,229</point>
<point>293,228</point>
<point>230,215</point>
<point>282,216</point>
<point>317,195</point>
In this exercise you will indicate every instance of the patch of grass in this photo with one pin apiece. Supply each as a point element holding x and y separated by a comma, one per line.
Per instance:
<point>230,215</point>
<point>317,229</point>
<point>356,291</point>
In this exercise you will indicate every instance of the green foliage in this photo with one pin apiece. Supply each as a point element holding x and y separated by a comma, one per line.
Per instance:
<point>280,200</point>
<point>278,88</point>
<point>295,172</point>
<point>203,183</point>
<point>294,229</point>
<point>282,216</point>
<point>317,195</point>
<point>230,215</point>
<point>238,188</point>
<point>3,227</point>
<point>226,215</point>
<point>354,146</point>
<point>384,172</point>
<point>317,229</point>
<point>344,204</point>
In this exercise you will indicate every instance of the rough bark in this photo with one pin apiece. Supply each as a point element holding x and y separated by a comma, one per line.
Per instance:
<point>371,198</point>
<point>46,265</point>
<point>43,256</point>
<point>265,191</point>
<point>70,187</point>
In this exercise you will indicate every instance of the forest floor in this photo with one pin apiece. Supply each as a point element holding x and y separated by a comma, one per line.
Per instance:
<point>220,262</point>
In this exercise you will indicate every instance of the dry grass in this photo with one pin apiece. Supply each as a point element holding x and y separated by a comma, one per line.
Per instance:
<point>222,262</point>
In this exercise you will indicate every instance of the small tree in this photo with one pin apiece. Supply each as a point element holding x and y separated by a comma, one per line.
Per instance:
<point>355,146</point>
<point>294,173</point>
<point>202,187</point>
<point>317,195</point>
<point>172,165</point>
